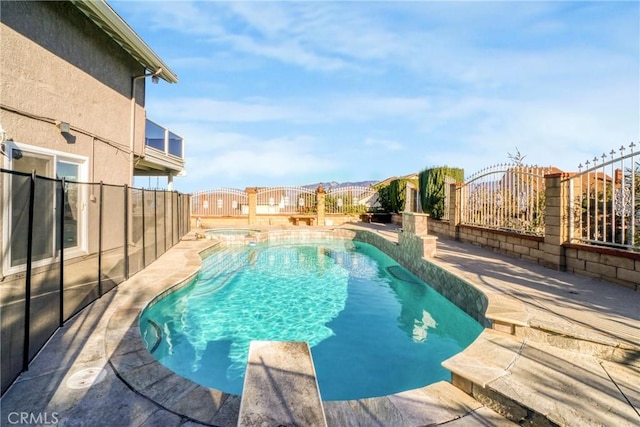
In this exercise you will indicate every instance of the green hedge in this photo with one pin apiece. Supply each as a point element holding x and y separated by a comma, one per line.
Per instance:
<point>397,194</point>
<point>432,188</point>
<point>392,197</point>
<point>383,197</point>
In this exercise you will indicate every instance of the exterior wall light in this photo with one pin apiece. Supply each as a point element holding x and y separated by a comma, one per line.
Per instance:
<point>65,131</point>
<point>64,127</point>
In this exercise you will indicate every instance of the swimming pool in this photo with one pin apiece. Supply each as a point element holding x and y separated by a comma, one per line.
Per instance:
<point>373,327</point>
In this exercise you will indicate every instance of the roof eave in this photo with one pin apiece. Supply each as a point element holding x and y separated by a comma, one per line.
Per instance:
<point>111,23</point>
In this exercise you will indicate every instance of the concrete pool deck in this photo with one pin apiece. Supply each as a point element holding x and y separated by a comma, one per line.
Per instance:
<point>95,370</point>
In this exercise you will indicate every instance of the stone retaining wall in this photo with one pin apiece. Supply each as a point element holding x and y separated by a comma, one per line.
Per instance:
<point>610,264</point>
<point>555,250</point>
<point>530,248</point>
<point>622,267</point>
<point>462,294</point>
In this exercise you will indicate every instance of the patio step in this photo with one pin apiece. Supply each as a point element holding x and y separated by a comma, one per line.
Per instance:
<point>280,386</point>
<point>509,315</point>
<point>436,404</point>
<point>539,384</point>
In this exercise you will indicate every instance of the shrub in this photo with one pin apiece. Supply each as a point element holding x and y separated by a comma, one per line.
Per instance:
<point>432,188</point>
<point>383,197</point>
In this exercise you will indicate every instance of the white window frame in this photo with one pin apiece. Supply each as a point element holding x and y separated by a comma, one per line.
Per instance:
<point>83,229</point>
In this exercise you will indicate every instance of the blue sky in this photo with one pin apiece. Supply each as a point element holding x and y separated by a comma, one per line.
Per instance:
<point>291,93</point>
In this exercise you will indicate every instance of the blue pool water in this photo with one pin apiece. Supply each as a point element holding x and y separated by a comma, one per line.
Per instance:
<point>373,327</point>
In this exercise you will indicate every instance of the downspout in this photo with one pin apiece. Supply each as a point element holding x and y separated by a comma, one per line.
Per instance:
<point>154,77</point>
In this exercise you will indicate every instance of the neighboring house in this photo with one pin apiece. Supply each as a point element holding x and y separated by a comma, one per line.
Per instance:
<point>72,97</point>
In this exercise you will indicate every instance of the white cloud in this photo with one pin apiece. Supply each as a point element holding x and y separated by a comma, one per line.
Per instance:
<point>317,110</point>
<point>212,110</point>
<point>389,145</point>
<point>458,83</point>
<point>232,157</point>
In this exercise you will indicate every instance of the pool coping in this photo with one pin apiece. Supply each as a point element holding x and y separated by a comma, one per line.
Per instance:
<point>135,366</point>
<point>570,304</point>
<point>138,369</point>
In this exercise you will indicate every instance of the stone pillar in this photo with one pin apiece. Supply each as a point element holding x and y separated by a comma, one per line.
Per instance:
<point>414,240</point>
<point>253,204</point>
<point>415,223</point>
<point>455,208</point>
<point>412,203</point>
<point>320,193</point>
<point>556,219</point>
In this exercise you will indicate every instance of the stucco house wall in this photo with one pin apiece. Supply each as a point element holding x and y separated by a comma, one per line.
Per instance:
<point>66,69</point>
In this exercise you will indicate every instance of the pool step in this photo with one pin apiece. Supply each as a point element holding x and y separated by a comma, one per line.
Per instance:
<point>223,267</point>
<point>436,404</point>
<point>542,385</point>
<point>225,257</point>
<point>280,386</point>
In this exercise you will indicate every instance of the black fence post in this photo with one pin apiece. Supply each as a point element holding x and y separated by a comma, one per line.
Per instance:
<point>126,232</point>
<point>100,229</point>
<point>61,243</point>
<point>144,232</point>
<point>27,291</point>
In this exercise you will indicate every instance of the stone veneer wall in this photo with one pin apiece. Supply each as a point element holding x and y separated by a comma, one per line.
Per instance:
<point>614,265</point>
<point>530,248</point>
<point>622,267</point>
<point>440,228</point>
<point>462,294</point>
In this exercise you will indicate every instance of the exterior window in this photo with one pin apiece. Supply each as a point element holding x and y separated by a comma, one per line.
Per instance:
<point>46,228</point>
<point>42,241</point>
<point>71,203</point>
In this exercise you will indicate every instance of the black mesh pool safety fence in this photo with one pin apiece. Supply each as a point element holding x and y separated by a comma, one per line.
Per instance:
<point>67,243</point>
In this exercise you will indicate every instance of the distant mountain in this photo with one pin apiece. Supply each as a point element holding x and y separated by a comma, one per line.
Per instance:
<point>333,184</point>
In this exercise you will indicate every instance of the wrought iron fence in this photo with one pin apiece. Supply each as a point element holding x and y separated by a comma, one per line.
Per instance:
<point>220,202</point>
<point>505,197</point>
<point>286,200</point>
<point>605,200</point>
<point>67,243</point>
<point>350,200</point>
